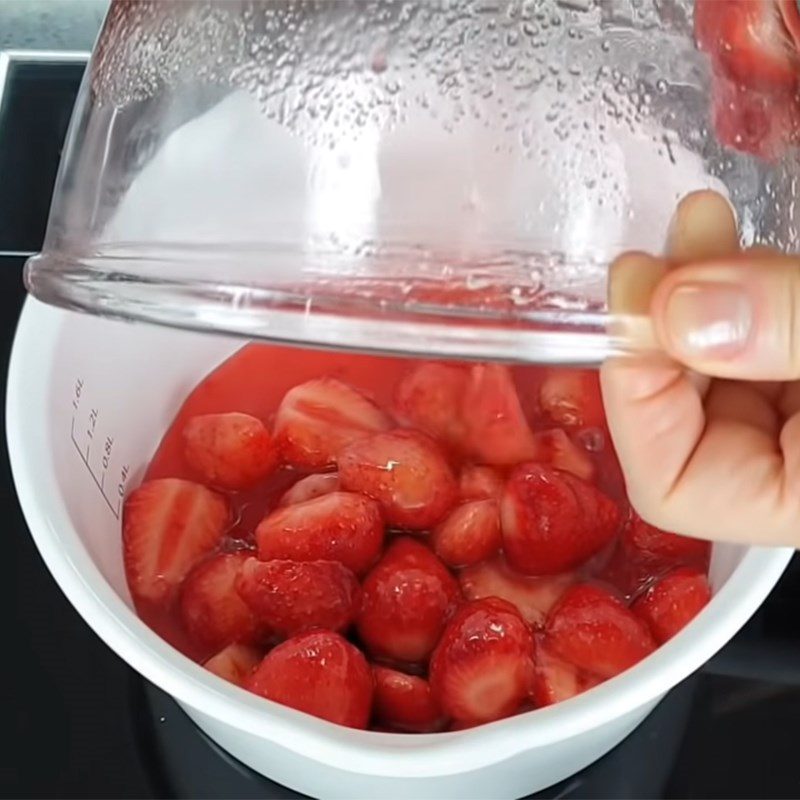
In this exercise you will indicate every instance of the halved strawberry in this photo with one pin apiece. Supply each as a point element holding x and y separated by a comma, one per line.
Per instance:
<point>235,663</point>
<point>405,702</point>
<point>671,603</point>
<point>469,534</point>
<point>405,472</point>
<point>318,418</point>
<point>211,611</point>
<point>480,483</point>
<point>429,399</point>
<point>340,526</point>
<point>231,451</point>
<point>168,525</point>
<point>552,521</point>
<point>571,397</point>
<point>556,680</point>
<point>319,673</point>
<point>407,599</point>
<point>593,629</point>
<point>482,668</point>
<point>555,448</point>
<point>310,487</point>
<point>294,596</point>
<point>748,41</point>
<point>496,431</point>
<point>532,597</point>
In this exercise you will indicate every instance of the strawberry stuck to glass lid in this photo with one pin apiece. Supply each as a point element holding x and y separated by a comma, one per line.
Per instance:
<point>754,49</point>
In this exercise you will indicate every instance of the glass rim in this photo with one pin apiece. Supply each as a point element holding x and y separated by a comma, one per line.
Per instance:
<point>292,314</point>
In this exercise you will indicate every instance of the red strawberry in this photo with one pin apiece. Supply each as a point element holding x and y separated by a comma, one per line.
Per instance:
<point>408,597</point>
<point>429,399</point>
<point>482,668</point>
<point>558,450</point>
<point>232,451</point>
<point>592,629</point>
<point>310,487</point>
<point>293,596</point>
<point>754,48</point>
<point>673,602</point>
<point>749,43</point>
<point>235,663</point>
<point>645,552</point>
<point>168,526</point>
<point>339,526</point>
<point>212,612</point>
<point>496,429</point>
<point>469,534</point>
<point>553,521</point>
<point>571,397</point>
<point>754,122</point>
<point>480,483</point>
<point>319,673</point>
<point>405,472</point>
<point>556,680</point>
<point>405,702</point>
<point>532,597</point>
<point>317,419</point>
<point>790,11</point>
<point>654,543</point>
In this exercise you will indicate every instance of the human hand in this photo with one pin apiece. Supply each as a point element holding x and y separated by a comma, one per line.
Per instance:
<point>709,441</point>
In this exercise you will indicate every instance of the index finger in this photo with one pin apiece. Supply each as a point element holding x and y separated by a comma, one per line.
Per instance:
<point>655,408</point>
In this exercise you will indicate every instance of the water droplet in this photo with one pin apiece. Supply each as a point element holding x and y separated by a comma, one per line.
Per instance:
<point>593,439</point>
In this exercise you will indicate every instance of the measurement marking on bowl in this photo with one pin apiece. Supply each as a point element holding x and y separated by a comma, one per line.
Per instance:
<point>87,437</point>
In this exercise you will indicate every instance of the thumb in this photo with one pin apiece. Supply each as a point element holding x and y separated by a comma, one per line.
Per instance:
<point>732,319</point>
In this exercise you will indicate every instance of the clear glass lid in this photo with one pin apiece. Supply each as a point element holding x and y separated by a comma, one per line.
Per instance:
<point>431,177</point>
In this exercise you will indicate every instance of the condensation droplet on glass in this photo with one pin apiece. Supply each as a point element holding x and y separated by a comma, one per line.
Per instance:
<point>592,439</point>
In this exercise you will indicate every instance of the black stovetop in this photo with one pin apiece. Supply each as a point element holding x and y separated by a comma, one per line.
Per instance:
<point>79,723</point>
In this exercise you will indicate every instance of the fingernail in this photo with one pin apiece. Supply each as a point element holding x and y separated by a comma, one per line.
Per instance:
<point>709,319</point>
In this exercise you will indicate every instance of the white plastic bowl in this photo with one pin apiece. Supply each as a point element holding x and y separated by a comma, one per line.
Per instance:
<point>134,377</point>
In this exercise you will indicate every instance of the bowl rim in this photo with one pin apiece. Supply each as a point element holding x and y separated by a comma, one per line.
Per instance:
<point>364,752</point>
